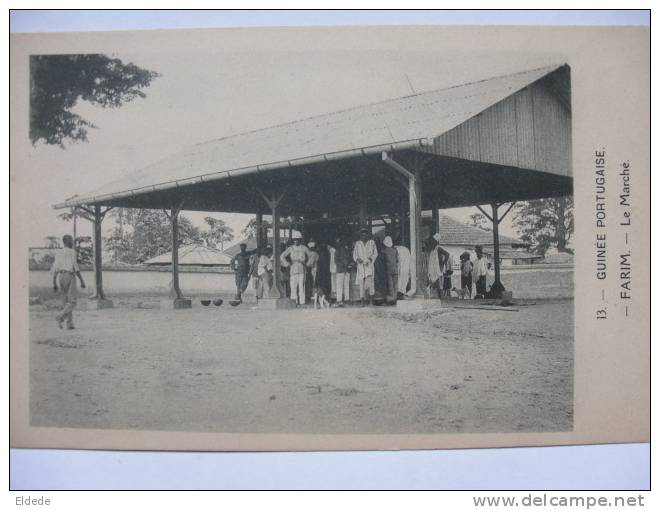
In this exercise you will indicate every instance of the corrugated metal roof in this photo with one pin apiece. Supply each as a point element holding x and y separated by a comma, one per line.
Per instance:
<point>194,255</point>
<point>401,122</point>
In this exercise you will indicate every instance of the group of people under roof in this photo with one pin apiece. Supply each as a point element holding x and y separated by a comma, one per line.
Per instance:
<point>379,269</point>
<point>371,269</point>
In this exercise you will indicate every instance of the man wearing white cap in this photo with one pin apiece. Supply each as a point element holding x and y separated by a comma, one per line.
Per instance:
<point>364,255</point>
<point>298,254</point>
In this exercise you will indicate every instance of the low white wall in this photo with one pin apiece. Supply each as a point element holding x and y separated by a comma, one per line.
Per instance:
<point>535,281</point>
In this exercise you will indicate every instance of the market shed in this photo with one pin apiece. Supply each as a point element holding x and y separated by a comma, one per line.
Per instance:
<point>492,141</point>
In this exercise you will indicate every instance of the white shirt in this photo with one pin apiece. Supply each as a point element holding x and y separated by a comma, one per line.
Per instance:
<point>65,260</point>
<point>480,268</point>
<point>367,252</point>
<point>265,264</point>
<point>299,254</point>
<point>333,266</point>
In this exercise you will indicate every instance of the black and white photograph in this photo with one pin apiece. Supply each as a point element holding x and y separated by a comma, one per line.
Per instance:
<point>291,240</point>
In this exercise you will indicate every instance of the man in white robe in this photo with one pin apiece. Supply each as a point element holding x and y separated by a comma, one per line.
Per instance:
<point>364,255</point>
<point>404,271</point>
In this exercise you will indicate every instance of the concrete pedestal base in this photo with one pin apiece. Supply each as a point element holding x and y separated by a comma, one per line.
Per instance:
<point>96,304</point>
<point>175,304</point>
<point>282,303</point>
<point>507,298</point>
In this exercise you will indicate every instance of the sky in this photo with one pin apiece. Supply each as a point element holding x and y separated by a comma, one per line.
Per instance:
<point>202,95</point>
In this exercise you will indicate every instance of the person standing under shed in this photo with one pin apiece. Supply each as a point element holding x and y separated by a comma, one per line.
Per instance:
<point>342,260</point>
<point>433,267</point>
<point>264,273</point>
<point>312,269</point>
<point>241,265</point>
<point>439,267</point>
<point>364,255</point>
<point>254,265</point>
<point>479,272</point>
<point>380,274</point>
<point>391,257</point>
<point>65,267</point>
<point>332,269</point>
<point>323,275</point>
<point>403,271</point>
<point>298,255</point>
<point>466,272</point>
<point>447,272</point>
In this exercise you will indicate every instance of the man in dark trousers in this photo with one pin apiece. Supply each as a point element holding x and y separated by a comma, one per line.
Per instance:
<point>479,272</point>
<point>391,257</point>
<point>241,265</point>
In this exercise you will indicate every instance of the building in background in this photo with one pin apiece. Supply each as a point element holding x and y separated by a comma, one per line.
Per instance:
<point>193,255</point>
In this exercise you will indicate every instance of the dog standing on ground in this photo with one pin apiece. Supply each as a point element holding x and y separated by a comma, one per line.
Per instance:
<point>461,293</point>
<point>319,300</point>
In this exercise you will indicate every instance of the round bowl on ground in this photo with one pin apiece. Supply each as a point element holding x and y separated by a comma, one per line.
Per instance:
<point>206,302</point>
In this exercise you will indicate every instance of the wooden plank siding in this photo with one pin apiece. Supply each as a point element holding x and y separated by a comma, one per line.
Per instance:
<point>530,129</point>
<point>552,132</point>
<point>525,128</point>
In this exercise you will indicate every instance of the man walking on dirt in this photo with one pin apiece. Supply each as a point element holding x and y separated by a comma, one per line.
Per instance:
<point>65,267</point>
<point>241,265</point>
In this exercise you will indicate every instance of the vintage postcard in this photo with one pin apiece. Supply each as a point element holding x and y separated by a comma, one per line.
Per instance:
<point>330,238</point>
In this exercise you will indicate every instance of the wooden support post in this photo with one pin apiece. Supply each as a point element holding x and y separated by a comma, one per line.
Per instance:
<point>98,254</point>
<point>260,231</point>
<point>174,220</point>
<point>74,213</point>
<point>95,215</point>
<point>402,221</point>
<point>363,210</point>
<point>414,179</point>
<point>496,243</point>
<point>436,219</point>
<point>416,252</point>
<point>177,300</point>
<point>275,289</point>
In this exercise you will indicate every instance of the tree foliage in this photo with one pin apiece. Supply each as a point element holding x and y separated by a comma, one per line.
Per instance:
<point>480,221</point>
<point>250,230</point>
<point>545,223</point>
<point>84,250</point>
<point>58,82</point>
<point>218,233</point>
<point>140,234</point>
<point>53,242</point>
<point>286,222</point>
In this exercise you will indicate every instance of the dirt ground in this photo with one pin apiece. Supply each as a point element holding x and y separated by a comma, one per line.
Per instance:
<point>352,370</point>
